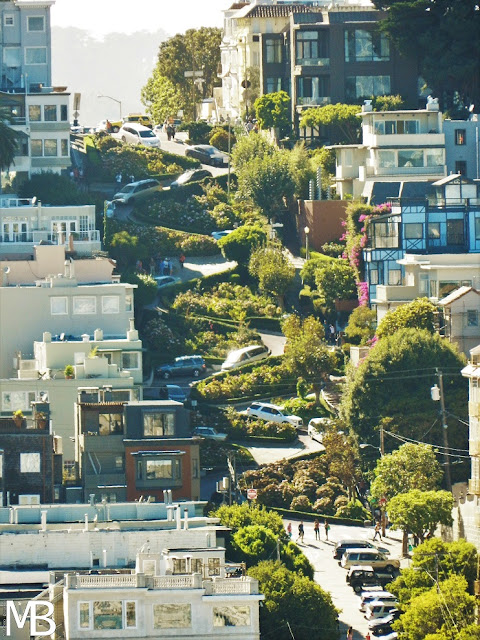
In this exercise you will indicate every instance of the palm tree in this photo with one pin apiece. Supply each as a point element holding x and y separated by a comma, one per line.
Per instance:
<point>8,142</point>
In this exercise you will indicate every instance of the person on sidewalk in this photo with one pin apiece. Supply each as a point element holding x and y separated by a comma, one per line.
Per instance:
<point>289,530</point>
<point>301,532</point>
<point>350,633</point>
<point>316,528</point>
<point>327,529</point>
<point>378,531</point>
<point>181,259</point>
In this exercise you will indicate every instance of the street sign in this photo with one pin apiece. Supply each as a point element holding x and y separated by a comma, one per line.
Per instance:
<point>382,502</point>
<point>252,494</point>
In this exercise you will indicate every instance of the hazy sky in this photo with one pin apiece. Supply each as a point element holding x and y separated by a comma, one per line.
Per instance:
<point>105,16</point>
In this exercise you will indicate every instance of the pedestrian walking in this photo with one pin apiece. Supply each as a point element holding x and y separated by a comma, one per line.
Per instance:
<point>152,266</point>
<point>332,334</point>
<point>166,267</point>
<point>368,636</point>
<point>327,529</point>
<point>350,633</point>
<point>316,528</point>
<point>118,178</point>
<point>181,259</point>
<point>289,530</point>
<point>301,532</point>
<point>378,531</point>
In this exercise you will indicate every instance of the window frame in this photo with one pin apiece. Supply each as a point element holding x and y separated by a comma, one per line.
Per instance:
<point>105,304</point>
<point>7,17</point>
<point>50,148</point>
<point>398,281</point>
<point>57,299</point>
<point>273,50</point>
<point>472,313</point>
<point>75,307</point>
<point>129,354</point>
<point>42,18</point>
<point>38,108</point>
<point>408,228</point>
<point>35,64</point>
<point>460,137</point>
<point>37,461</point>
<point>167,430</point>
<point>48,111</point>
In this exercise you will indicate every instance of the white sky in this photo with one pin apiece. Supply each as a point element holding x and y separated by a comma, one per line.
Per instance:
<point>100,17</point>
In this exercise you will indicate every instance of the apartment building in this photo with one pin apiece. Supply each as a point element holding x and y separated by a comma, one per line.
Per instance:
<point>38,111</point>
<point>129,450</point>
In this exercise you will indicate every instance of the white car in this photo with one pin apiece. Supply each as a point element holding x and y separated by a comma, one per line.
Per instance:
<point>218,235</point>
<point>316,428</point>
<point>272,413</point>
<point>134,133</point>
<point>165,281</point>
<point>245,355</point>
<point>210,433</point>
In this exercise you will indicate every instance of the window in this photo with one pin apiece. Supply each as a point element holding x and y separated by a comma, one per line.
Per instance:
<point>59,306</point>
<point>231,616</point>
<point>433,230</point>
<point>311,46</point>
<point>477,228</point>
<point>35,112</point>
<point>195,468</point>
<point>472,318</point>
<point>158,424</point>
<point>410,158</point>
<point>64,147</point>
<point>273,85</point>
<point>434,157</point>
<point>423,284</point>
<point>50,148</point>
<point>36,148</point>
<point>36,23</point>
<point>64,113</point>
<point>8,20</point>
<point>446,287</point>
<point>35,55</point>
<point>373,276</point>
<point>130,360</point>
<point>128,302</point>
<point>367,86</point>
<point>386,159</point>
<point>395,277</point>
<point>366,46</point>
<point>214,566</point>
<point>163,469</point>
<point>29,463</point>
<point>50,113</point>
<point>313,90</point>
<point>413,230</point>
<point>110,424</point>
<point>461,167</point>
<point>84,615</point>
<point>14,400</point>
<point>84,305</point>
<point>119,462</point>
<point>111,614</point>
<point>455,234</point>
<point>460,136</point>
<point>273,49</point>
<point>110,304</point>
<point>12,57</point>
<point>172,616</point>
<point>391,127</point>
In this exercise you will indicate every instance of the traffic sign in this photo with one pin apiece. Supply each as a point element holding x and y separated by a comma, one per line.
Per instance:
<point>252,494</point>
<point>382,502</point>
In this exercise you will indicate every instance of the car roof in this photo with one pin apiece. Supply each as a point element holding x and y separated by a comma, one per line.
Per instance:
<point>362,550</point>
<point>360,567</point>
<point>244,350</point>
<point>341,543</point>
<point>136,125</point>
<point>377,595</point>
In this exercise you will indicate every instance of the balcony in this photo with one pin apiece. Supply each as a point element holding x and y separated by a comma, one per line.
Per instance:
<point>395,140</point>
<point>35,237</point>
<point>395,293</point>
<point>230,586</point>
<point>313,101</point>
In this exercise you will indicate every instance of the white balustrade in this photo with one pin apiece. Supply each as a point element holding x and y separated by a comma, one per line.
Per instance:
<point>106,581</point>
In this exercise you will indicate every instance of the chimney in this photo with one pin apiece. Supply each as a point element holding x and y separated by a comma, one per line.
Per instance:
<point>98,335</point>
<point>5,272</point>
<point>367,106</point>
<point>47,336</point>
<point>132,333</point>
<point>178,514</point>
<point>85,337</point>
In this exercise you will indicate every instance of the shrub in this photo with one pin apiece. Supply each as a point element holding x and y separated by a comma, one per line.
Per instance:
<point>353,509</point>
<point>199,132</point>
<point>301,503</point>
<point>219,138</point>
<point>333,249</point>
<point>304,408</point>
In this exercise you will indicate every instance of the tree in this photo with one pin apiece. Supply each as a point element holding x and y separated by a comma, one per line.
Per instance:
<point>444,37</point>
<point>301,170</point>
<point>341,459</point>
<point>420,512</point>
<point>147,288</point>
<point>125,249</point>
<point>267,182</point>
<point>8,141</point>
<point>54,189</point>
<point>335,281</point>
<point>418,314</point>
<point>239,244</point>
<point>249,147</point>
<point>161,98</point>
<point>306,351</point>
<point>255,543</point>
<point>361,325</point>
<point>273,111</point>
<point>440,613</point>
<point>219,138</point>
<point>238,516</point>
<point>194,50</point>
<point>342,120</point>
<point>295,600</point>
<point>273,270</point>
<point>394,380</point>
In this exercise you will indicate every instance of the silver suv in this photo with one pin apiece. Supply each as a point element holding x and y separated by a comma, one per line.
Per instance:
<point>272,413</point>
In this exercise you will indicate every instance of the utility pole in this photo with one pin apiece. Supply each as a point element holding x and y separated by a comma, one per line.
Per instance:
<point>229,149</point>
<point>383,512</point>
<point>448,478</point>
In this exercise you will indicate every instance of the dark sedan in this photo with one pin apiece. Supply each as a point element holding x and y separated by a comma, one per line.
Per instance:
<point>207,155</point>
<point>190,176</point>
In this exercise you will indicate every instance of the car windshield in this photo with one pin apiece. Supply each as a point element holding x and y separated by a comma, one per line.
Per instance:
<point>128,188</point>
<point>210,150</point>
<point>185,177</point>
<point>147,134</point>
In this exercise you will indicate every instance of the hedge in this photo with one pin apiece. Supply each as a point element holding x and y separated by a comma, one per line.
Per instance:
<point>304,515</point>
<point>246,368</point>
<point>202,283</point>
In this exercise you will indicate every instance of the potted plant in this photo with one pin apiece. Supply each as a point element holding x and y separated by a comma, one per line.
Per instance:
<point>69,372</point>
<point>18,418</point>
<point>41,420</point>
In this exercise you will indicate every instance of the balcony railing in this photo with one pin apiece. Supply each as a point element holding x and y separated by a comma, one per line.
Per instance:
<point>8,202</point>
<point>318,100</point>
<point>231,586</point>
<point>106,581</point>
<point>34,237</point>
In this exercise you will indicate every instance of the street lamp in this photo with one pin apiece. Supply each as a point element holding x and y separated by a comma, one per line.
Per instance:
<point>119,102</point>
<point>307,252</point>
<point>363,445</point>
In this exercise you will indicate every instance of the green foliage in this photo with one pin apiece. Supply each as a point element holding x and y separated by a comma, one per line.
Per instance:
<point>324,158</point>
<point>238,516</point>
<point>418,314</point>
<point>301,169</point>
<point>272,269</point>
<point>8,141</point>
<point>361,325</point>
<point>353,509</point>
<point>146,287</point>
<point>267,182</point>
<point>439,613</point>
<point>54,189</point>
<point>420,512</point>
<point>341,458</point>
<point>442,36</point>
<point>333,249</point>
<point>194,49</point>
<point>251,146</point>
<point>239,244</point>
<point>199,132</point>
<point>160,337</point>
<point>161,98</point>
<point>219,139</point>
<point>296,600</point>
<point>411,466</point>
<point>255,543</point>
<point>355,232</point>
<point>124,248</point>
<point>391,381</point>
<point>335,281</point>
<point>238,427</point>
<point>273,111</point>
<point>311,266</point>
<point>342,120</point>
<point>388,103</point>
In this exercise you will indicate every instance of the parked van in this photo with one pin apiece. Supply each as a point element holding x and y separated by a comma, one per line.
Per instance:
<point>369,557</point>
<point>378,609</point>
<point>243,356</point>
<point>136,191</point>
<point>369,596</point>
